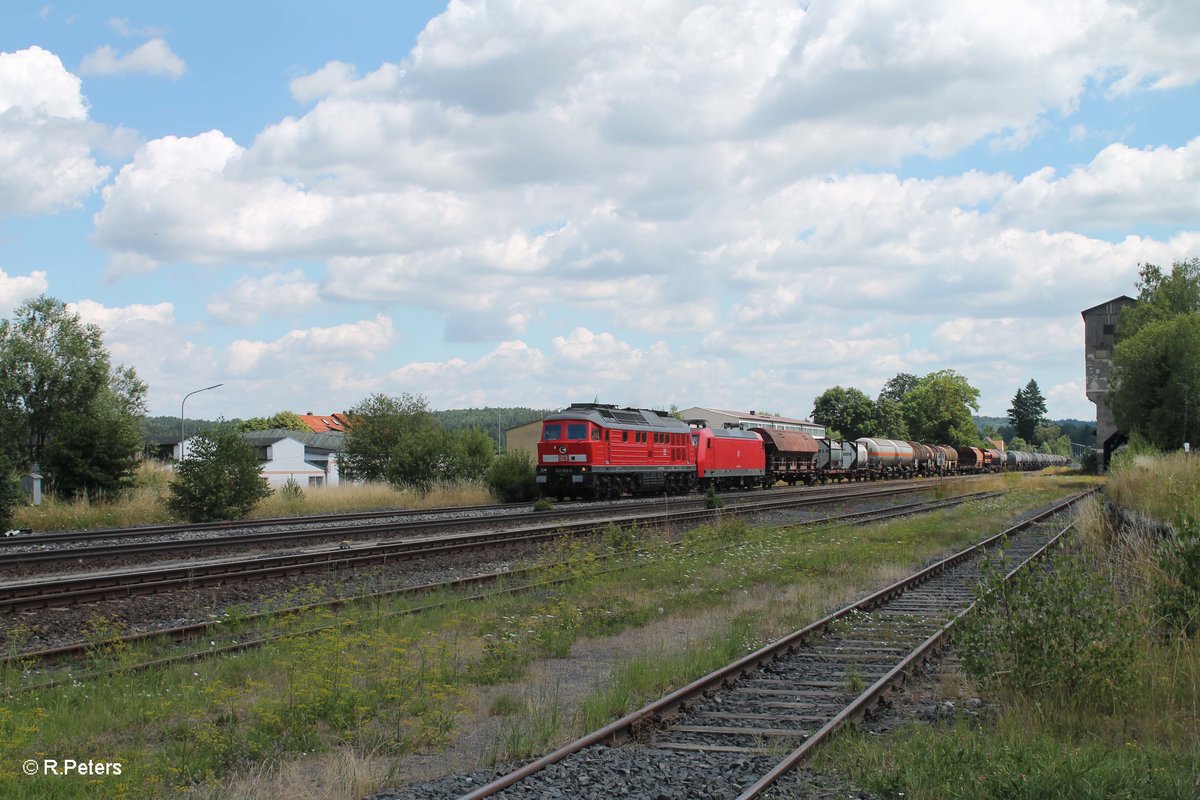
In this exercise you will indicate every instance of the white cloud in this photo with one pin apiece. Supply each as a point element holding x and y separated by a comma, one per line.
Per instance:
<point>113,319</point>
<point>577,366</point>
<point>166,355</point>
<point>713,173</point>
<point>46,162</point>
<point>16,289</point>
<point>325,81</point>
<point>152,58</point>
<point>278,293</point>
<point>340,343</point>
<point>123,27</point>
<point>1121,185</point>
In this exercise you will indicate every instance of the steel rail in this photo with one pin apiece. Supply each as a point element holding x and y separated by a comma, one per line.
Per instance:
<point>186,632</point>
<point>622,729</point>
<point>451,515</point>
<point>97,552</point>
<point>85,587</point>
<point>857,708</point>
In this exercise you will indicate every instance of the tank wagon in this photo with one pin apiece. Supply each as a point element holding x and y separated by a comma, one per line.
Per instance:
<point>888,458</point>
<point>593,450</point>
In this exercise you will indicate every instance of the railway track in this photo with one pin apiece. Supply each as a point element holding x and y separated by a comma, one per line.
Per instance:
<point>521,580</point>
<point>91,586</point>
<point>740,730</point>
<point>75,546</point>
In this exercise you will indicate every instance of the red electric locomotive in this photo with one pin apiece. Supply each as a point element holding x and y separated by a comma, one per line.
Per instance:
<point>594,450</point>
<point>729,458</point>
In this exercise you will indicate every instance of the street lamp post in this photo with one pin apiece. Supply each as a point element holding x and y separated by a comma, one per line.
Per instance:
<point>181,416</point>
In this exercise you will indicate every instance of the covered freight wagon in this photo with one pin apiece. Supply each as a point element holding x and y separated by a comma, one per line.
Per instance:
<point>790,455</point>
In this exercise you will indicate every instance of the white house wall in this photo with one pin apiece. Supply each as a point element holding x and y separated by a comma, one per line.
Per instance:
<point>287,461</point>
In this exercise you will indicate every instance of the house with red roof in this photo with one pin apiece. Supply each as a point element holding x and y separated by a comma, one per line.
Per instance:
<point>327,423</point>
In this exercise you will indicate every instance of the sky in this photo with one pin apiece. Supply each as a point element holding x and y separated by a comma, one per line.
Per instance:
<point>650,203</point>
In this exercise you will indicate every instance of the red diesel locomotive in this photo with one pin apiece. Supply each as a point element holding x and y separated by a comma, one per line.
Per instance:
<point>600,451</point>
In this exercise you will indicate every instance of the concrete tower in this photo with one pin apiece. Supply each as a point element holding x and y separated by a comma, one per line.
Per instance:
<point>1100,329</point>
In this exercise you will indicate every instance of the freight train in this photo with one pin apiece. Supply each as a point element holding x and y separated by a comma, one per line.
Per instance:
<point>598,451</point>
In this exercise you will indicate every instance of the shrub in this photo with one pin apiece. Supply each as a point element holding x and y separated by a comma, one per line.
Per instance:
<point>11,495</point>
<point>218,479</point>
<point>291,492</point>
<point>512,477</point>
<point>1178,585</point>
<point>620,538</point>
<point>543,504</point>
<point>1056,629</point>
<point>711,501</point>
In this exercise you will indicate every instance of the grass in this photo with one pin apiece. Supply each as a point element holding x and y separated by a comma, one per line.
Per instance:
<point>1141,742</point>
<point>376,686</point>
<point>1162,487</point>
<point>1016,757</point>
<point>145,503</point>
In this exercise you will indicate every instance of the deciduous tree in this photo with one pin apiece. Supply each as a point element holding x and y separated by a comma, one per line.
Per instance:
<point>470,454</point>
<point>63,409</point>
<point>284,420</point>
<point>897,387</point>
<point>398,440</point>
<point>938,409</point>
<point>849,411</point>
<point>1156,361</point>
<point>889,419</point>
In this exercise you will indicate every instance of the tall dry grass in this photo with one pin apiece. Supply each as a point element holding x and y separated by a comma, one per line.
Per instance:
<point>1162,487</point>
<point>146,502</point>
<point>371,496</point>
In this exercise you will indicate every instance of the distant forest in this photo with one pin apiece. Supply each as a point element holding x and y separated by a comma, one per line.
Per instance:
<point>486,419</point>
<point>1078,431</point>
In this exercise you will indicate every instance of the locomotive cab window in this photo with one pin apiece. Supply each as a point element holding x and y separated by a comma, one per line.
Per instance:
<point>595,434</point>
<point>576,431</point>
<point>624,436</point>
<point>552,432</point>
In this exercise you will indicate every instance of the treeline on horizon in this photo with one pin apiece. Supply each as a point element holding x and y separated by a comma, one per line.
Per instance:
<point>455,419</point>
<point>486,418</point>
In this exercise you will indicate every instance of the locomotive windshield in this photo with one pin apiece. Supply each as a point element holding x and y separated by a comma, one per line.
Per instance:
<point>552,432</point>
<point>576,431</point>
